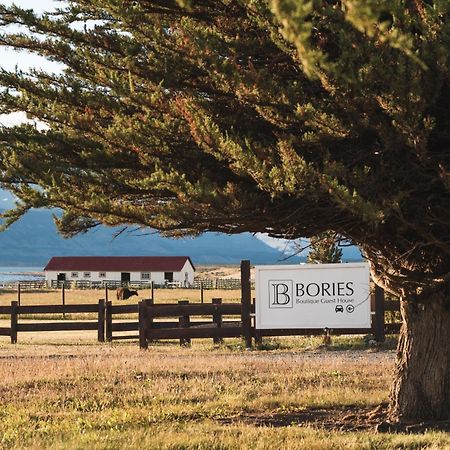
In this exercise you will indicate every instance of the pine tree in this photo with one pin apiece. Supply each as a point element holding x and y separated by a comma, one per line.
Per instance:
<point>287,117</point>
<point>324,248</point>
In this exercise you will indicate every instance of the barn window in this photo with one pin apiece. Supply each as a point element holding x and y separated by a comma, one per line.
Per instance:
<point>74,275</point>
<point>87,274</point>
<point>102,274</point>
<point>145,275</point>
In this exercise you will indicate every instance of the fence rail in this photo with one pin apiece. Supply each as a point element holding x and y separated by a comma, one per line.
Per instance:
<point>199,283</point>
<point>27,285</point>
<point>15,311</point>
<point>148,326</point>
<point>86,284</point>
<point>186,329</point>
<point>111,327</point>
<point>218,283</point>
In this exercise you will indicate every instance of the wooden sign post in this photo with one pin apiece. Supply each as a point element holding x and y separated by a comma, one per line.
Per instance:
<point>246,300</point>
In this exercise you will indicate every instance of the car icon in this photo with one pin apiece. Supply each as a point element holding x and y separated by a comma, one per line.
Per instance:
<point>339,308</point>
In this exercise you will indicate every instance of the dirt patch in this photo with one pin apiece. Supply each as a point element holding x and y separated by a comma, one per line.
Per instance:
<point>212,272</point>
<point>351,418</point>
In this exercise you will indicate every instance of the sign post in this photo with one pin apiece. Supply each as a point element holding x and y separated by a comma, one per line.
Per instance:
<point>246,302</point>
<point>313,296</point>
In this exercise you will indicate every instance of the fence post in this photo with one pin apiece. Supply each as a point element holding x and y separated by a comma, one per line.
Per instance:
<point>258,335</point>
<point>379,314</point>
<point>201,292</point>
<point>217,319</point>
<point>101,321</point>
<point>149,322</point>
<point>63,298</point>
<point>246,299</point>
<point>108,321</point>
<point>143,343</point>
<point>14,320</point>
<point>18,293</point>
<point>184,322</point>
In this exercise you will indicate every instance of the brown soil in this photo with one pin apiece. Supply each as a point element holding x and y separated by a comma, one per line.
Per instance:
<point>351,418</point>
<point>345,419</point>
<point>232,271</point>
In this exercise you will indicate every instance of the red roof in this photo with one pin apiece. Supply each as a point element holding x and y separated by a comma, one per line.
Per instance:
<point>118,263</point>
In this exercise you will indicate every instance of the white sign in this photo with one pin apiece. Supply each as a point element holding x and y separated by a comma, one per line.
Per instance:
<point>313,296</point>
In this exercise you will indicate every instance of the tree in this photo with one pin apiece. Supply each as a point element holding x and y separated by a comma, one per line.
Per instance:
<point>324,248</point>
<point>287,117</point>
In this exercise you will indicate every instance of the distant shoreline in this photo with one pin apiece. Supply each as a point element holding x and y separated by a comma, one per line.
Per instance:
<point>14,274</point>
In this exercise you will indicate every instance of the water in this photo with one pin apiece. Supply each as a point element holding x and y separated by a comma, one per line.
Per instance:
<point>11,274</point>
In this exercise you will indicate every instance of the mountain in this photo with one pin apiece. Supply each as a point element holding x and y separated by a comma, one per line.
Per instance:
<point>33,240</point>
<point>350,253</point>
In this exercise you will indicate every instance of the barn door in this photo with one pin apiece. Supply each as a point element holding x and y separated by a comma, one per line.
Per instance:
<point>125,277</point>
<point>168,276</point>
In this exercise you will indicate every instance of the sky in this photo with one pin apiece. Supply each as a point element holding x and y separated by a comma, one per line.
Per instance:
<point>10,59</point>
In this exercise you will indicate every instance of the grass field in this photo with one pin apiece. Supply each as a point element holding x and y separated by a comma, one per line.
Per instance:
<point>77,296</point>
<point>54,296</point>
<point>62,390</point>
<point>298,396</point>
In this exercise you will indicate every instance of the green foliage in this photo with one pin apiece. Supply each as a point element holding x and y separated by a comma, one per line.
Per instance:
<point>324,248</point>
<point>283,116</point>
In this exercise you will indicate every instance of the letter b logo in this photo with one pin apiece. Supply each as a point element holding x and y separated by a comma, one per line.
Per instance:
<point>280,294</point>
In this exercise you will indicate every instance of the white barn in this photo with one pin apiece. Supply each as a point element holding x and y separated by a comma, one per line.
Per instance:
<point>121,269</point>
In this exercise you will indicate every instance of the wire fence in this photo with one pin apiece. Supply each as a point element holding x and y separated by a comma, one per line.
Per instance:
<point>199,283</point>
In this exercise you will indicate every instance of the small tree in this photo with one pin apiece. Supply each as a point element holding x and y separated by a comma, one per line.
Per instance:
<point>324,248</point>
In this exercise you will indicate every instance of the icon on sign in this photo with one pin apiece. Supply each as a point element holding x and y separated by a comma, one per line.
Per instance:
<point>339,308</point>
<point>350,308</point>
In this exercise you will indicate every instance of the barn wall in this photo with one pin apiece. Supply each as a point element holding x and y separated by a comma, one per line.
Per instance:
<point>156,277</point>
<point>51,275</point>
<point>186,276</point>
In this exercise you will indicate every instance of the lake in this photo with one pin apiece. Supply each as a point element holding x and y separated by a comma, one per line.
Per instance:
<point>21,274</point>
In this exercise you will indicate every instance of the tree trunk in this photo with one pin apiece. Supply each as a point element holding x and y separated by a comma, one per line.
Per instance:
<point>421,388</point>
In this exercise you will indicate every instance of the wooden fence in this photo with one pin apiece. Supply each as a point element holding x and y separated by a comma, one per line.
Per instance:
<point>32,284</point>
<point>185,328</point>
<point>218,283</point>
<point>15,311</point>
<point>199,283</point>
<point>129,325</point>
<point>87,284</point>
<point>227,319</point>
<point>241,322</point>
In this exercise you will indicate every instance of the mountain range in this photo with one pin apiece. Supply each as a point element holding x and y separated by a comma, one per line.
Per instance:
<point>33,240</point>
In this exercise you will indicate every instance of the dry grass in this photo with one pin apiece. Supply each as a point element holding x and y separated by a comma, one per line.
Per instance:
<point>80,296</point>
<point>115,396</point>
<point>73,296</point>
<point>76,393</point>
